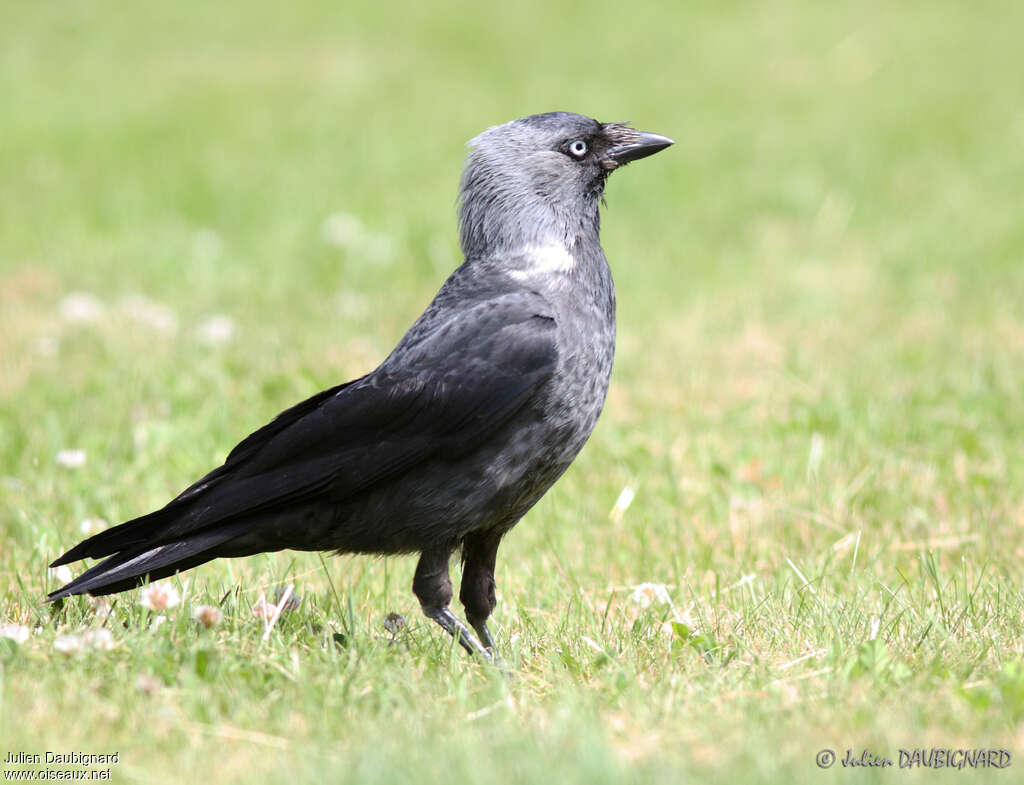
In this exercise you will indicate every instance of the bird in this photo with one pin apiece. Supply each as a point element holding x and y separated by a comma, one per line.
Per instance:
<point>480,407</point>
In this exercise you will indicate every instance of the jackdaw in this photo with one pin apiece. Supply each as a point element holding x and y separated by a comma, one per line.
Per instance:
<point>476,412</point>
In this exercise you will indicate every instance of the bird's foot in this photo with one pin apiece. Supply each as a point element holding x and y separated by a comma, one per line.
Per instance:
<point>488,641</point>
<point>484,634</point>
<point>442,615</point>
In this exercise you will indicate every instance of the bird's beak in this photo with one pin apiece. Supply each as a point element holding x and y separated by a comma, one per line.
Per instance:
<point>635,145</point>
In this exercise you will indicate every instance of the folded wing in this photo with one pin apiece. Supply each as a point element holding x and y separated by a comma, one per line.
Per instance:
<point>441,393</point>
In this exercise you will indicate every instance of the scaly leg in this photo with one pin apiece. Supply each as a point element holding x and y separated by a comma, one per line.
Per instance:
<point>479,552</point>
<point>433,588</point>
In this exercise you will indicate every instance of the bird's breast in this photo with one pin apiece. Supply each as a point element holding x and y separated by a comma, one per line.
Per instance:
<point>551,431</point>
<point>579,386</point>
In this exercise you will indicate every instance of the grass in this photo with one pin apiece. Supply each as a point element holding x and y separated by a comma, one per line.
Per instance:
<point>816,397</point>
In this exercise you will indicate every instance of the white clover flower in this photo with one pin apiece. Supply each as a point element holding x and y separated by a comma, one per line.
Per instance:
<point>62,574</point>
<point>71,459</point>
<point>80,307</point>
<point>646,594</point>
<point>151,314</point>
<point>159,596</point>
<point>208,615</point>
<point>217,329</point>
<point>67,644</point>
<point>15,632</point>
<point>99,638</point>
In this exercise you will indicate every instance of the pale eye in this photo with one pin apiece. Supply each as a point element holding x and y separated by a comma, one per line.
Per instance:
<point>578,149</point>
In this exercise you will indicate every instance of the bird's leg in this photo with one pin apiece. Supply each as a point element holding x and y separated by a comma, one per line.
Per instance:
<point>433,588</point>
<point>477,591</point>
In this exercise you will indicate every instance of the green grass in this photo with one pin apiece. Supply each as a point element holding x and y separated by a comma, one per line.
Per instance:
<point>817,394</point>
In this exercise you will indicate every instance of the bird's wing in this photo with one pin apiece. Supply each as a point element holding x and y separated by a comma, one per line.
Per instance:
<point>252,443</point>
<point>441,393</point>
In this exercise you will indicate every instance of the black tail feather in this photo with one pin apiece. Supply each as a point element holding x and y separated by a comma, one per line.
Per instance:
<point>130,535</point>
<point>131,567</point>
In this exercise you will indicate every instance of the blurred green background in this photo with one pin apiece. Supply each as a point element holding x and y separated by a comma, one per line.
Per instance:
<point>209,211</point>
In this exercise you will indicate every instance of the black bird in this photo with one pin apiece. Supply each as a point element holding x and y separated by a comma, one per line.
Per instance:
<point>477,411</point>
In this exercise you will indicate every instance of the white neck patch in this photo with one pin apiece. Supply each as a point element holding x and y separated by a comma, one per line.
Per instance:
<point>543,260</point>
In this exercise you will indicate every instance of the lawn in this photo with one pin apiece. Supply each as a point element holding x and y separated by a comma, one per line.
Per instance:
<point>799,524</point>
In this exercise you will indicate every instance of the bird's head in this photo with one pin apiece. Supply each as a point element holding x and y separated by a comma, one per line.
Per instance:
<point>540,179</point>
